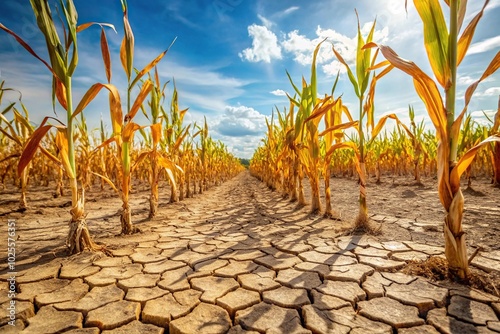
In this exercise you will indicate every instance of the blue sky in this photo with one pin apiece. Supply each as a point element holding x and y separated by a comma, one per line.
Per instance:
<point>230,56</point>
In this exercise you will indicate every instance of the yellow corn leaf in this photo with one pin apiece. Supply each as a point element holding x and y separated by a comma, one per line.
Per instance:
<point>169,166</point>
<point>435,38</point>
<point>343,146</point>
<point>143,93</point>
<point>86,25</point>
<point>339,127</point>
<point>128,131</point>
<point>322,108</point>
<point>105,55</point>
<point>461,13</point>
<point>87,98</point>
<point>157,78</point>
<point>181,114</point>
<point>181,138</point>
<point>152,64</point>
<point>333,117</point>
<point>13,135</point>
<point>108,181</point>
<point>156,133</point>
<point>381,124</point>
<point>140,158</point>
<point>106,142</point>
<point>127,47</point>
<point>115,109</point>
<point>468,34</point>
<point>466,160</point>
<point>14,138</point>
<point>50,156</point>
<point>496,123</point>
<point>170,176</point>
<point>492,68</point>
<point>443,173</point>
<point>379,65</point>
<point>123,57</point>
<point>62,146</point>
<point>60,92</point>
<point>23,121</point>
<point>426,88</point>
<point>32,145</point>
<point>369,107</point>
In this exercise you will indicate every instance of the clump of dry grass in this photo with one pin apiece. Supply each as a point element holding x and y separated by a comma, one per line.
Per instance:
<point>436,269</point>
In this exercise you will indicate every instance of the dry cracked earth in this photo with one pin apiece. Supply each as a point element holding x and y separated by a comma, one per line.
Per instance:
<point>236,259</point>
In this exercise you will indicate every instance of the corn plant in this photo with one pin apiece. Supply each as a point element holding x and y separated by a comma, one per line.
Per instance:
<point>124,127</point>
<point>63,62</point>
<point>175,133</point>
<point>18,131</point>
<point>331,111</point>
<point>360,84</point>
<point>306,132</point>
<point>445,51</point>
<point>156,157</point>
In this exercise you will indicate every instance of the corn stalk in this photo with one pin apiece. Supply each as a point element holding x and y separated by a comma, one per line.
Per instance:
<point>360,84</point>
<point>63,62</point>
<point>445,51</point>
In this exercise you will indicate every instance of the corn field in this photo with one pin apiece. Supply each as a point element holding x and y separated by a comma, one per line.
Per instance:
<point>315,137</point>
<point>318,136</point>
<point>65,152</point>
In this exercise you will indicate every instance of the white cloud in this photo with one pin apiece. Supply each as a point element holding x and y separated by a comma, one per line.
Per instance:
<point>331,69</point>
<point>267,23</point>
<point>492,91</point>
<point>480,113</point>
<point>303,47</point>
<point>466,80</point>
<point>240,121</point>
<point>480,118</point>
<point>290,10</point>
<point>486,45</point>
<point>264,45</point>
<point>241,147</point>
<point>278,92</point>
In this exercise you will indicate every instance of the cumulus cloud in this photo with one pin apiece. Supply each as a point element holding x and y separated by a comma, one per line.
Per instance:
<point>242,147</point>
<point>240,121</point>
<point>303,47</point>
<point>278,92</point>
<point>264,45</point>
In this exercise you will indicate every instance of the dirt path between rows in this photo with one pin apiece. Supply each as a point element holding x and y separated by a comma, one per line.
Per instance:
<point>242,259</point>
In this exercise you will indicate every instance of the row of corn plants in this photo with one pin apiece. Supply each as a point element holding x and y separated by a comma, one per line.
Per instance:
<point>185,155</point>
<point>295,147</point>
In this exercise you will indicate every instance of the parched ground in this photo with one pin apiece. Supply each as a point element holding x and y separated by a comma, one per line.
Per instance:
<point>242,259</point>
